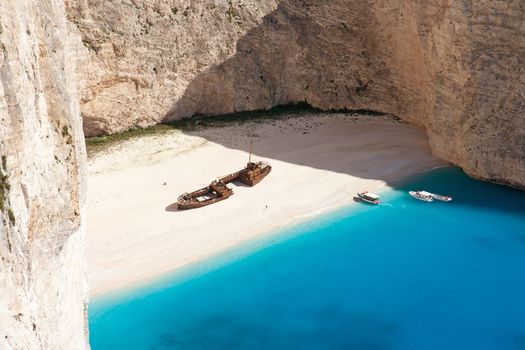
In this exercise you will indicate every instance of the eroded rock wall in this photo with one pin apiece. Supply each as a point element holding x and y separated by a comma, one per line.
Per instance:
<point>455,67</point>
<point>42,278</point>
<point>143,54</point>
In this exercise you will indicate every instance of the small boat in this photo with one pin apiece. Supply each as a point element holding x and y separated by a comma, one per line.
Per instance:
<point>422,195</point>
<point>368,197</point>
<point>442,198</point>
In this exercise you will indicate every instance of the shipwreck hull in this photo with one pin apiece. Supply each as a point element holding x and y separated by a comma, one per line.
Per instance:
<point>254,173</point>
<point>195,204</point>
<point>218,191</point>
<point>245,178</point>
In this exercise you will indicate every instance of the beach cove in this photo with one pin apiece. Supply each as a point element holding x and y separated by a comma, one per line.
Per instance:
<point>135,233</point>
<point>402,275</point>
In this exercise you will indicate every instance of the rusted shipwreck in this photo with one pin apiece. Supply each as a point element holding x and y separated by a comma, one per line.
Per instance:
<point>217,191</point>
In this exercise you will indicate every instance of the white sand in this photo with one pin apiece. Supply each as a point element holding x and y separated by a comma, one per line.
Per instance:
<point>319,163</point>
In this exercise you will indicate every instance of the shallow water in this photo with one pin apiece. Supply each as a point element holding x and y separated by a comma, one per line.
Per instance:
<point>402,275</point>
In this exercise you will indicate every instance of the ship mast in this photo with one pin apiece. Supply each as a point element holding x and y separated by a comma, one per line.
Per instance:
<point>250,157</point>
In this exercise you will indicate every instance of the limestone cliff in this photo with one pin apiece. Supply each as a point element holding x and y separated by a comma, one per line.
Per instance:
<point>43,291</point>
<point>143,54</point>
<point>455,67</point>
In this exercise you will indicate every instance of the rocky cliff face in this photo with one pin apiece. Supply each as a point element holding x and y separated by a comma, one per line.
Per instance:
<point>43,291</point>
<point>452,66</point>
<point>143,54</point>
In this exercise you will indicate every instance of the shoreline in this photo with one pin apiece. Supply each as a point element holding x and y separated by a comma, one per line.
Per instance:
<point>132,242</point>
<point>233,253</point>
<point>219,258</point>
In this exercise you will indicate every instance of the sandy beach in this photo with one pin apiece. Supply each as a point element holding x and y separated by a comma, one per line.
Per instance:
<point>134,231</point>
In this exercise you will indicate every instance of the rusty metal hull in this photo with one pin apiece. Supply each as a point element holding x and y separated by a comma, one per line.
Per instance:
<point>252,177</point>
<point>192,204</point>
<point>215,192</point>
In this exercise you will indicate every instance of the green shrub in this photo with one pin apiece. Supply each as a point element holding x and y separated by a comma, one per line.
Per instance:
<point>11,216</point>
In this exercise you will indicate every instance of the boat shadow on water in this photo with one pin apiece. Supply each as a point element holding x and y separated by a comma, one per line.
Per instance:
<point>359,200</point>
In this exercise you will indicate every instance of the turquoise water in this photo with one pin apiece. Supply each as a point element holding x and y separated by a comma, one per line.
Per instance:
<point>402,275</point>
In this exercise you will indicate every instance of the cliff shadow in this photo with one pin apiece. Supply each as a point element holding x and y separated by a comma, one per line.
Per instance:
<point>286,66</point>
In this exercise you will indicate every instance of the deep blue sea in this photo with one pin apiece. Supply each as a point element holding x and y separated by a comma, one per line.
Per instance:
<point>402,275</point>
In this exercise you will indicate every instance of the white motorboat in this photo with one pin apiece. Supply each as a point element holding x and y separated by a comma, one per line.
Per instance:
<point>369,197</point>
<point>442,198</point>
<point>422,195</point>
